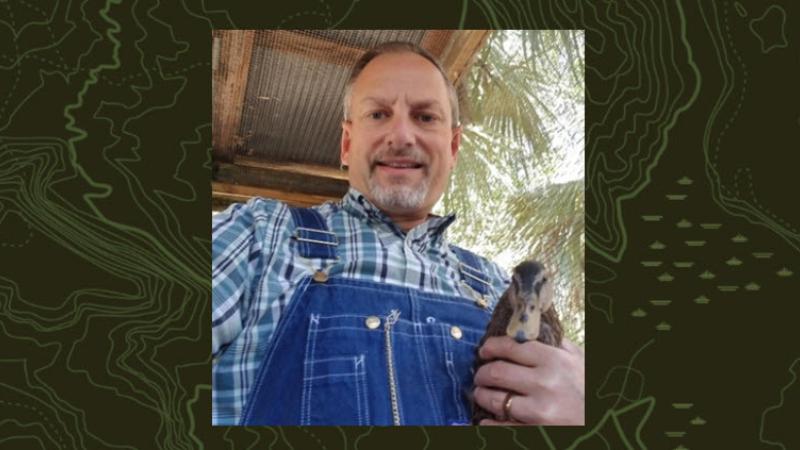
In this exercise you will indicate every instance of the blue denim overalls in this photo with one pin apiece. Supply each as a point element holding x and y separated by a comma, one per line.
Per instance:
<point>354,352</point>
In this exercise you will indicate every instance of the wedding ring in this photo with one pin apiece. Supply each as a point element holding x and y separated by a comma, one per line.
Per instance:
<point>507,406</point>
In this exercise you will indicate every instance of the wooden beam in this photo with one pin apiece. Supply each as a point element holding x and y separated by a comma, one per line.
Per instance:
<point>298,168</point>
<point>459,55</point>
<point>436,41</point>
<point>239,193</point>
<point>310,46</point>
<point>221,203</point>
<point>232,50</point>
<point>275,179</point>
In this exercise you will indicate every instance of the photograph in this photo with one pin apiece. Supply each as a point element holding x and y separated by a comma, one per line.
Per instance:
<point>398,232</point>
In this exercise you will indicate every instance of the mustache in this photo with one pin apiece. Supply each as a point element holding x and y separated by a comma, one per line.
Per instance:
<point>411,153</point>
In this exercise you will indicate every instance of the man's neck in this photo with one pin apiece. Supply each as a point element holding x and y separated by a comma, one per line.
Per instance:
<point>404,220</point>
<point>407,222</point>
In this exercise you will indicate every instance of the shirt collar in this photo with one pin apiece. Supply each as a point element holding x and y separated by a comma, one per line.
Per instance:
<point>429,233</point>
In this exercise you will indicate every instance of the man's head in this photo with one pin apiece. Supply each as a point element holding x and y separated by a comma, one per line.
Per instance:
<point>400,136</point>
<point>399,47</point>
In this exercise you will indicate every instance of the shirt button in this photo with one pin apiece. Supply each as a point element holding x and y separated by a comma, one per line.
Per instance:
<point>481,301</point>
<point>373,322</point>
<point>320,276</point>
<point>456,332</point>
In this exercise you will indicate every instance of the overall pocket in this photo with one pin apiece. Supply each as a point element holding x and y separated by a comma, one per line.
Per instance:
<point>335,392</point>
<point>334,374</point>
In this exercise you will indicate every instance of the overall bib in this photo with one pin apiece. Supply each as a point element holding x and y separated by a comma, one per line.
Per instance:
<point>355,352</point>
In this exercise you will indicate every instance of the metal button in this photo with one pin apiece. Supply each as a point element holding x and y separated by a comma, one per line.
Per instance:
<point>373,322</point>
<point>481,301</point>
<point>320,276</point>
<point>456,332</point>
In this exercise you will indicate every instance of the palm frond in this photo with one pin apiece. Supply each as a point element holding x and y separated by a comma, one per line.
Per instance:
<point>526,102</point>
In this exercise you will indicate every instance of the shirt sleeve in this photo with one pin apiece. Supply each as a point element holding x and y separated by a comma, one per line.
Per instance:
<point>243,239</point>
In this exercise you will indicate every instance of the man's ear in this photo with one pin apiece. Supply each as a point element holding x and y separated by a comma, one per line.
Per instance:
<point>455,143</point>
<point>345,145</point>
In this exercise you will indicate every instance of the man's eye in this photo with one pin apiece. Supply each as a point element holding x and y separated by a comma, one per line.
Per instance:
<point>377,115</point>
<point>427,118</point>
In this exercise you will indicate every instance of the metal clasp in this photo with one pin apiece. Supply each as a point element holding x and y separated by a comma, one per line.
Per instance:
<point>297,236</point>
<point>466,273</point>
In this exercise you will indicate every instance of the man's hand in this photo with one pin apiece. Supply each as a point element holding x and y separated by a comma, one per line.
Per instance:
<point>548,382</point>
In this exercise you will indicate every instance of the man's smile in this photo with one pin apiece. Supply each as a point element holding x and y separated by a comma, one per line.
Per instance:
<point>398,166</point>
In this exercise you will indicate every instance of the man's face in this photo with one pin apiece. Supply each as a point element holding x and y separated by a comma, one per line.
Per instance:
<point>399,145</point>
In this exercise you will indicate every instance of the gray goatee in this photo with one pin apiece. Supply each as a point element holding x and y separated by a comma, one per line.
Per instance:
<point>397,193</point>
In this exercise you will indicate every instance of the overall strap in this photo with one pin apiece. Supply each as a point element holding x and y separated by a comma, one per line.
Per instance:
<point>311,233</point>
<point>469,266</point>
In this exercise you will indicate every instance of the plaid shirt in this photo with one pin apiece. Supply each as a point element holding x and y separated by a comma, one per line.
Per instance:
<point>255,272</point>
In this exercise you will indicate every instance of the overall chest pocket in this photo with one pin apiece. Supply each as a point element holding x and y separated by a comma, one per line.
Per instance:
<point>341,357</point>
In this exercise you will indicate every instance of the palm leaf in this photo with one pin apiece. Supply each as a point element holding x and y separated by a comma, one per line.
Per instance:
<point>525,102</point>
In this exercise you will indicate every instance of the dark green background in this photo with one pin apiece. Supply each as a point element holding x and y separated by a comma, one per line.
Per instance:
<point>104,222</point>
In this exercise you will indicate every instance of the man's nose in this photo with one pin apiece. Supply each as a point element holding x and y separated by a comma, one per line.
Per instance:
<point>401,132</point>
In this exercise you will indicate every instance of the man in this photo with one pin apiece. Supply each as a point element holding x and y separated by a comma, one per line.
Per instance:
<point>360,312</point>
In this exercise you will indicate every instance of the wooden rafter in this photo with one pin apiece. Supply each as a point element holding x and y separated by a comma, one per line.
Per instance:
<point>437,41</point>
<point>269,178</point>
<point>239,193</point>
<point>459,54</point>
<point>232,50</point>
<point>303,169</point>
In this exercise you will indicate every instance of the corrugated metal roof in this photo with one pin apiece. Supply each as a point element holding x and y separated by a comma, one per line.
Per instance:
<point>367,38</point>
<point>299,121</point>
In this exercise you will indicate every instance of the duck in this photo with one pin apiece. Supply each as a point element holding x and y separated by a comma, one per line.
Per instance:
<point>524,312</point>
